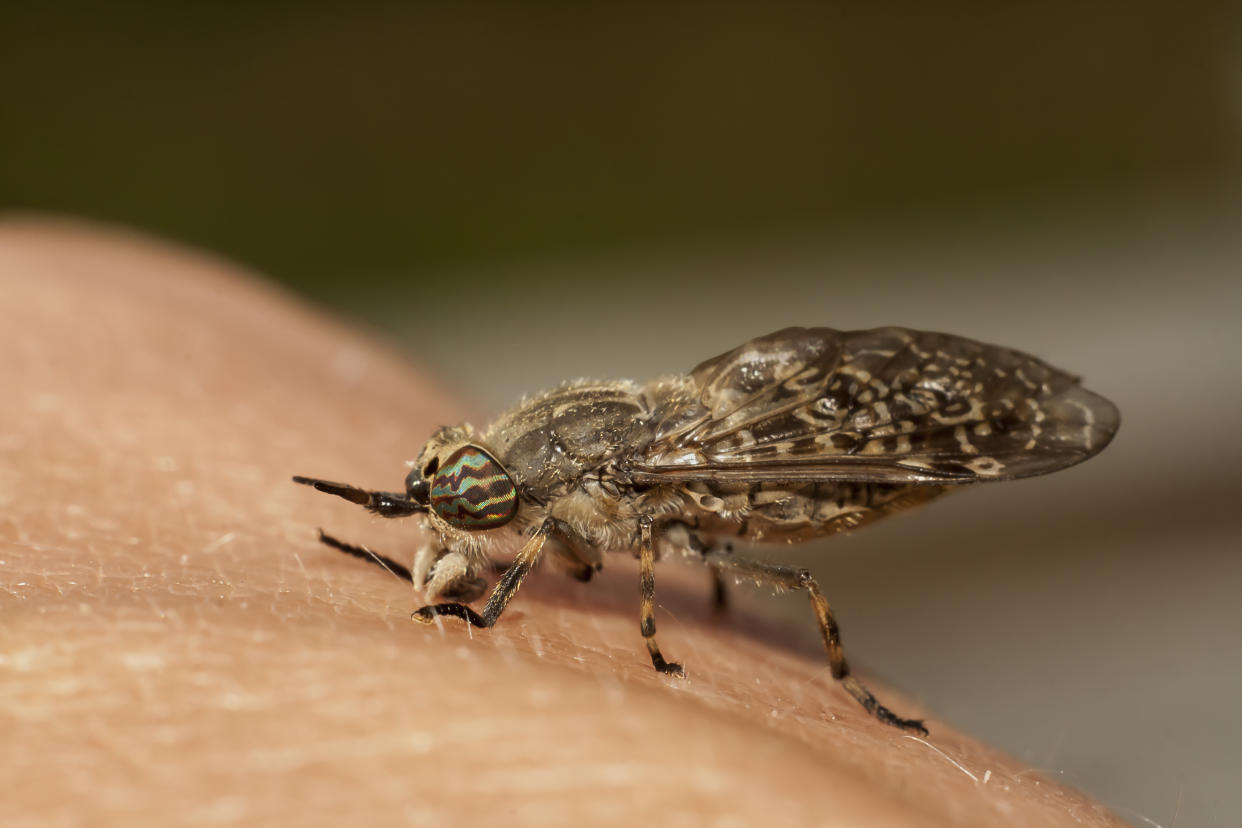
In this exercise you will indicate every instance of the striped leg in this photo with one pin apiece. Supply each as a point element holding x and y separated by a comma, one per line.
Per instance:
<point>646,580</point>
<point>791,578</point>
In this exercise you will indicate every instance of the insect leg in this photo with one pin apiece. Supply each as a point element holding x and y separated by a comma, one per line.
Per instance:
<point>720,592</point>
<point>583,573</point>
<point>720,595</point>
<point>646,579</point>
<point>365,554</point>
<point>573,553</point>
<point>503,592</point>
<point>683,535</point>
<point>384,504</point>
<point>793,578</point>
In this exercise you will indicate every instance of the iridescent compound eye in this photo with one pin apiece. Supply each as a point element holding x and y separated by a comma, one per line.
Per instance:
<point>471,491</point>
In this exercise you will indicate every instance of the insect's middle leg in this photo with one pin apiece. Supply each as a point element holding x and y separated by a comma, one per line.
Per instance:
<point>793,578</point>
<point>646,580</point>
<point>720,592</point>
<point>684,535</point>
<point>573,553</point>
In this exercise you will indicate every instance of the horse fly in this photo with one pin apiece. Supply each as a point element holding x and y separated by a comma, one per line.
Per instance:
<point>795,435</point>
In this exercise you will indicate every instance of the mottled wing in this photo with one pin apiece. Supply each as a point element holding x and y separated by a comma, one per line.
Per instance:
<point>890,405</point>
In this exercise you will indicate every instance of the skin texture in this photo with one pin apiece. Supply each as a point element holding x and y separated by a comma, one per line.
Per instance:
<point>176,647</point>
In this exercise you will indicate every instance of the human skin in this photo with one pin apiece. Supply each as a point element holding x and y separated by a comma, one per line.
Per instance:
<point>177,648</point>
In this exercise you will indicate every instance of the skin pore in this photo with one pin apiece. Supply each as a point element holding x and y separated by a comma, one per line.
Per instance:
<point>177,647</point>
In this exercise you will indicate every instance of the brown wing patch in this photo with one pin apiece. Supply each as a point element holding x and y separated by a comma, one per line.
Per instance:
<point>887,404</point>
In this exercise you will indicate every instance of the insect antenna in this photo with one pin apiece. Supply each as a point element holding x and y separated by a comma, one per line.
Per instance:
<point>384,504</point>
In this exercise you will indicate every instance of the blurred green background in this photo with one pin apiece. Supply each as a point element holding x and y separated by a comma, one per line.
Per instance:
<point>624,190</point>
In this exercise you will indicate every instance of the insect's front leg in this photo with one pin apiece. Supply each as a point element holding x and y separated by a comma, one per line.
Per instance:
<point>646,577</point>
<point>447,573</point>
<point>793,578</point>
<point>368,555</point>
<point>501,595</point>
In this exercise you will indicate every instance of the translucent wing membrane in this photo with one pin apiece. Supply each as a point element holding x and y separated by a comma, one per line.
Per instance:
<point>889,405</point>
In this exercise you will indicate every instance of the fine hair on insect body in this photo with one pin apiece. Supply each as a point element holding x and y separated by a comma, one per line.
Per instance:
<point>792,436</point>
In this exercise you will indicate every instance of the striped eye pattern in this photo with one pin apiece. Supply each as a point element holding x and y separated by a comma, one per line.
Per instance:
<point>471,491</point>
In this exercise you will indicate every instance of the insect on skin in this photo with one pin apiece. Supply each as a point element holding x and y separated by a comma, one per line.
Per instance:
<point>796,435</point>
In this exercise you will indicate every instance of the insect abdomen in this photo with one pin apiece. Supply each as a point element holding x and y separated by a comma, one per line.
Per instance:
<point>785,513</point>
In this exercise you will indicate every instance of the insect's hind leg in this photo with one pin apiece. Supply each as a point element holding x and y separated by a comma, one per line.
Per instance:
<point>793,578</point>
<point>646,579</point>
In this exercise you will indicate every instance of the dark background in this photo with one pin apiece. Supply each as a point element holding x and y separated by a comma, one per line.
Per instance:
<point>524,194</point>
